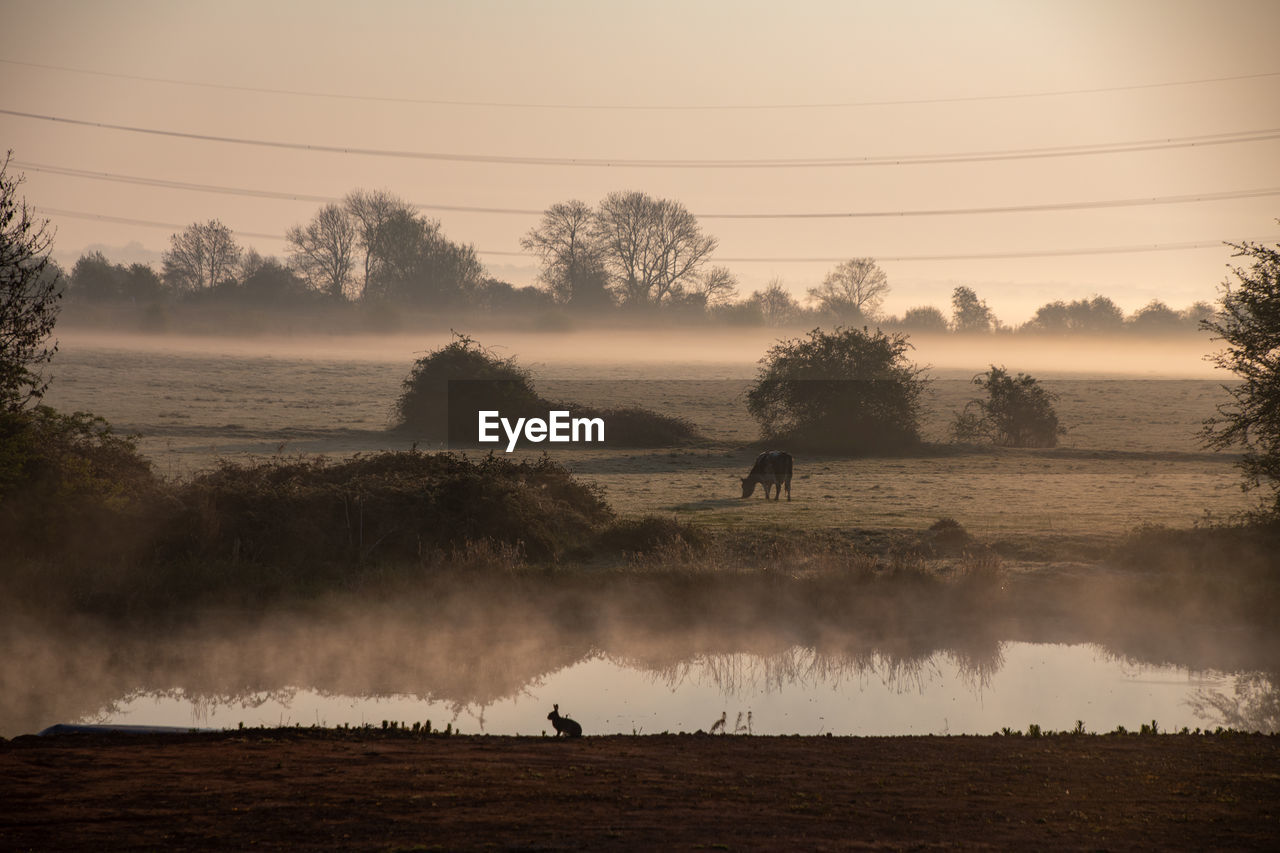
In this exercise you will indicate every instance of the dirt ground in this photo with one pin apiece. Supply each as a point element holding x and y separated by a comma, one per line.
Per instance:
<point>361,790</point>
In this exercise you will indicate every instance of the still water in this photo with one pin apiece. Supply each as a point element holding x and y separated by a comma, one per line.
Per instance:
<point>796,692</point>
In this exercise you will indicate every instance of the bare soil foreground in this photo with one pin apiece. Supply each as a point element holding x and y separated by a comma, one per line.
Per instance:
<point>357,790</point>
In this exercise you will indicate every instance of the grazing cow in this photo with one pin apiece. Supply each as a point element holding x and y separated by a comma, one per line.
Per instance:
<point>772,468</point>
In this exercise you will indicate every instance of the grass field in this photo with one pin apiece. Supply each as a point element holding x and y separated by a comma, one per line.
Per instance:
<point>1130,455</point>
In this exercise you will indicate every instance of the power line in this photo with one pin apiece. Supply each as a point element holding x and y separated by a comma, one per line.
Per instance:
<point>1051,253</point>
<point>1053,93</point>
<point>242,191</point>
<point>827,162</point>
<point>865,214</point>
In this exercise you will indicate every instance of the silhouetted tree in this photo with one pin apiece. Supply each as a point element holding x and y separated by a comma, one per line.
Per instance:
<point>969,313</point>
<point>649,246</point>
<point>95,279</point>
<point>370,210</point>
<point>853,291</point>
<point>30,288</point>
<point>273,283</point>
<point>572,266</point>
<point>1249,323</point>
<point>419,266</point>
<point>324,250</point>
<point>844,391</point>
<point>1156,318</point>
<point>1018,412</point>
<point>777,306</point>
<point>203,256</point>
<point>926,319</point>
<point>717,286</point>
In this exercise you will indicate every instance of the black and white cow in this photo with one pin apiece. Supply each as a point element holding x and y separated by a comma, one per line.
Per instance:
<point>772,468</point>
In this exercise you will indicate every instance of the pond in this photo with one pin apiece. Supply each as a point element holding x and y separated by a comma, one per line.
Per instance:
<point>796,691</point>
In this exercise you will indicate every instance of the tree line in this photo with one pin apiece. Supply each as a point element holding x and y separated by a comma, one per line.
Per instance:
<point>630,254</point>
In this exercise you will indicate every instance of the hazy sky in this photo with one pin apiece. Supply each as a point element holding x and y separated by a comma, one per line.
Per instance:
<point>876,87</point>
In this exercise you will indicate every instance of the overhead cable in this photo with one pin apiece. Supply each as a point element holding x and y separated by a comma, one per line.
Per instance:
<point>857,214</point>
<point>1229,138</point>
<point>957,99</point>
<point>1050,253</point>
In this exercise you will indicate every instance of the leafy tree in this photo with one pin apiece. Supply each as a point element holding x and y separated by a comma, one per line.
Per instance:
<point>844,391</point>
<point>30,288</point>
<point>1096,315</point>
<point>1248,322</point>
<point>323,250</point>
<point>95,279</point>
<point>969,313</point>
<point>853,291</point>
<point>926,319</point>
<point>572,264</point>
<point>1018,412</point>
<point>272,283</point>
<point>202,257</point>
<point>1156,318</point>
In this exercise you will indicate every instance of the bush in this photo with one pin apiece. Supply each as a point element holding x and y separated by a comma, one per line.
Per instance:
<point>70,486</point>
<point>385,507</point>
<point>490,383</point>
<point>644,534</point>
<point>449,386</point>
<point>1018,412</point>
<point>839,392</point>
<point>1248,323</point>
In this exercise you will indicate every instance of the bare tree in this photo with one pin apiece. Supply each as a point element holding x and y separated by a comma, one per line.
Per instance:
<point>718,286</point>
<point>30,287</point>
<point>572,268</point>
<point>777,306</point>
<point>371,210</point>
<point>323,250</point>
<point>853,290</point>
<point>203,256</point>
<point>649,246</point>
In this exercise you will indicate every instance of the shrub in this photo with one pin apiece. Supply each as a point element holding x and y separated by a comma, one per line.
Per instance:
<point>1248,323</point>
<point>839,392</point>
<point>644,534</point>
<point>70,486</point>
<point>388,506</point>
<point>449,386</point>
<point>1018,412</point>
<point>491,383</point>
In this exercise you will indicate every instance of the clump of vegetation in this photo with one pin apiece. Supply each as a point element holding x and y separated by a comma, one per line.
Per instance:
<point>947,534</point>
<point>1018,412</point>
<point>1249,323</point>
<point>847,391</point>
<point>386,507</point>
<point>449,386</point>
<point>480,380</point>
<point>30,287</point>
<point>646,533</point>
<point>71,487</point>
<point>634,427</point>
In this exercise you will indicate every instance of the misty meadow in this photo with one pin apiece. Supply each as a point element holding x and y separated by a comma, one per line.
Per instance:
<point>281,546</point>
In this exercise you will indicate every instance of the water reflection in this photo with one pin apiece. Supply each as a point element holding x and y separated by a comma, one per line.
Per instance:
<point>335,677</point>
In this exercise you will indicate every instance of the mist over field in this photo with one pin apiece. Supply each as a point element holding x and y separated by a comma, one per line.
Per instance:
<point>1042,559</point>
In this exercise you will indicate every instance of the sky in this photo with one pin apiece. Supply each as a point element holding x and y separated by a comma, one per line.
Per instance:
<point>1025,149</point>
